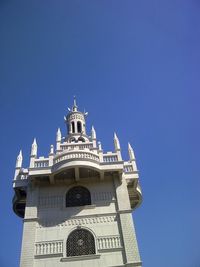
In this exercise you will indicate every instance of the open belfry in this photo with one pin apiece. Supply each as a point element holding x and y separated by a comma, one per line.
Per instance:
<point>77,202</point>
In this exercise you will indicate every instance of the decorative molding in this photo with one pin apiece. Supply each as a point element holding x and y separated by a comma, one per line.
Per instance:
<point>109,242</point>
<point>77,155</point>
<point>82,257</point>
<point>47,248</point>
<point>79,221</point>
<point>76,117</point>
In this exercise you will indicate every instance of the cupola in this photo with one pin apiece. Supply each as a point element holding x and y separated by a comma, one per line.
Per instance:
<point>75,120</point>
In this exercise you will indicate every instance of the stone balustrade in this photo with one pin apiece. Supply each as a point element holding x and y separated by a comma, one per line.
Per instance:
<point>76,147</point>
<point>109,242</point>
<point>47,248</point>
<point>128,168</point>
<point>41,163</point>
<point>77,155</point>
<point>110,158</point>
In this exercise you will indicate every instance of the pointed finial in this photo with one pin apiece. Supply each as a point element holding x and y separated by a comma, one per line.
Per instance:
<point>93,133</point>
<point>74,100</point>
<point>19,160</point>
<point>74,108</point>
<point>34,148</point>
<point>131,152</point>
<point>116,142</point>
<point>58,135</point>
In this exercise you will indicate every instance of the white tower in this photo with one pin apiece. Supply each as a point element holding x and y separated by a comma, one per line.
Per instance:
<point>77,203</point>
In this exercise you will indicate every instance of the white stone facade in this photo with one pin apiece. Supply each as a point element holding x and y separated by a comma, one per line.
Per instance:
<point>44,195</point>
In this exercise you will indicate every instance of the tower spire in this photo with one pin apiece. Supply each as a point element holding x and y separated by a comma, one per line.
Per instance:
<point>58,135</point>
<point>93,133</point>
<point>116,142</point>
<point>34,148</point>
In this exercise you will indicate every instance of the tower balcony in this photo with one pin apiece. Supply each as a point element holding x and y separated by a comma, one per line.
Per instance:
<point>76,164</point>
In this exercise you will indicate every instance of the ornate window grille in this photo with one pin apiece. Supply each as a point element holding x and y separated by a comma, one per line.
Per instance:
<point>78,196</point>
<point>80,242</point>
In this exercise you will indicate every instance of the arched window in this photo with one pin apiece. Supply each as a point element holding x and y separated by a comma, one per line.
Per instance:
<point>78,196</point>
<point>73,127</point>
<point>80,242</point>
<point>79,127</point>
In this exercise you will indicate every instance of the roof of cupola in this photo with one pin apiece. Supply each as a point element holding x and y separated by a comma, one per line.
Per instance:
<point>75,107</point>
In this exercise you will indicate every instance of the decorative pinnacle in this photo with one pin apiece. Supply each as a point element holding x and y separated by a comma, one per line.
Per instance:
<point>116,142</point>
<point>34,148</point>
<point>131,152</point>
<point>20,153</point>
<point>93,133</point>
<point>58,135</point>
<point>19,160</point>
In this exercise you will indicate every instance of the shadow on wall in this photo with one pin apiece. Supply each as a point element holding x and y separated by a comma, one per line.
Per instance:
<point>55,210</point>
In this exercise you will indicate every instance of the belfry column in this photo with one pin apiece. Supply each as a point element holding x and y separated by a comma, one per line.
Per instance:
<point>29,228</point>
<point>131,256</point>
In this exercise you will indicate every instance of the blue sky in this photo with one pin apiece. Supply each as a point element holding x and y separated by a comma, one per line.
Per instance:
<point>134,65</point>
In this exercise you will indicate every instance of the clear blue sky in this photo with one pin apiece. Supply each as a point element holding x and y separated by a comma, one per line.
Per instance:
<point>135,67</point>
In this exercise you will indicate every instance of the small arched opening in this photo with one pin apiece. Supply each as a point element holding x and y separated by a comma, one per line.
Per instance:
<point>73,127</point>
<point>79,127</point>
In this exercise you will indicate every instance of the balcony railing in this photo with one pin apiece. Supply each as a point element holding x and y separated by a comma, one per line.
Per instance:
<point>47,248</point>
<point>128,168</point>
<point>110,158</point>
<point>41,164</point>
<point>77,155</point>
<point>76,147</point>
<point>110,242</point>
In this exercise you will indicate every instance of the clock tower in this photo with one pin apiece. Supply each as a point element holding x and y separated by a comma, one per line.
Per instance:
<point>77,202</point>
